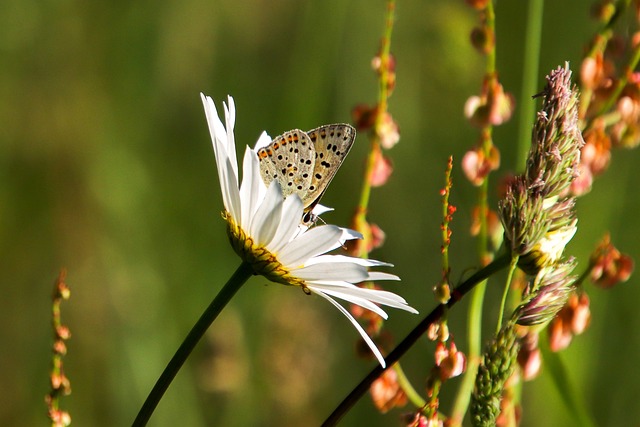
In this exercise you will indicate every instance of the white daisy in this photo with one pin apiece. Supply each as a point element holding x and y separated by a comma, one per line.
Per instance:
<point>265,230</point>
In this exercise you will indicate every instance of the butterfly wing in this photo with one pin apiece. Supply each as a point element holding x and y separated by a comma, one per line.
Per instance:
<point>289,159</point>
<point>332,144</point>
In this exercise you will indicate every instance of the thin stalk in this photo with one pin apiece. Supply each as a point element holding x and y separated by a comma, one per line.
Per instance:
<point>505,292</point>
<point>406,386</point>
<point>456,295</point>
<point>529,80</point>
<point>239,277</point>
<point>474,328</point>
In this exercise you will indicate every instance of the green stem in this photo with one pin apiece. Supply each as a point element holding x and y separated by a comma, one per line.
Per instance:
<point>418,331</point>
<point>406,386</point>
<point>505,292</point>
<point>474,327</point>
<point>529,80</point>
<point>622,83</point>
<point>239,277</point>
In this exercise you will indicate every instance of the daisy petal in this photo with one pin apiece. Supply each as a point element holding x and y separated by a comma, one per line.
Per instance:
<point>361,331</point>
<point>251,193</point>
<point>356,295</point>
<point>349,272</point>
<point>267,218</point>
<point>230,192</point>
<point>342,258</point>
<point>289,223</point>
<point>362,302</point>
<point>263,141</point>
<point>379,275</point>
<point>315,241</point>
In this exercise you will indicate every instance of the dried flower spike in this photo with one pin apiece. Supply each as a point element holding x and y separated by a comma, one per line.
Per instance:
<point>548,295</point>
<point>537,215</point>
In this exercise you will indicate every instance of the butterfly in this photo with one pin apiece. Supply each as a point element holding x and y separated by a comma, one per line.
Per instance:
<point>304,163</point>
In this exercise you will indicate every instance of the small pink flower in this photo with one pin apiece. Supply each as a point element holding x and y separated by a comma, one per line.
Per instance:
<point>529,356</point>
<point>493,107</point>
<point>476,165</point>
<point>572,320</point>
<point>451,362</point>
<point>382,169</point>
<point>386,392</point>
<point>610,266</point>
<point>388,131</point>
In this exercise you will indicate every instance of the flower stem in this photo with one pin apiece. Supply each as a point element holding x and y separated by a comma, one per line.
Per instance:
<point>239,277</point>
<point>413,336</point>
<point>529,80</point>
<point>406,386</point>
<point>507,286</point>
<point>474,327</point>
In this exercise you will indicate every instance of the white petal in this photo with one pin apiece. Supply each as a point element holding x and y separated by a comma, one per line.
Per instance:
<point>289,223</point>
<point>361,331</point>
<point>315,241</point>
<point>320,209</point>
<point>215,129</point>
<point>263,141</point>
<point>348,234</point>
<point>252,190</point>
<point>379,275</point>
<point>342,258</point>
<point>362,302</point>
<point>355,295</point>
<point>348,272</point>
<point>267,218</point>
<point>230,119</point>
<point>230,192</point>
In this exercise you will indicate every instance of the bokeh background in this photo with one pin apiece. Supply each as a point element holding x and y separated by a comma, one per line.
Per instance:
<point>107,169</point>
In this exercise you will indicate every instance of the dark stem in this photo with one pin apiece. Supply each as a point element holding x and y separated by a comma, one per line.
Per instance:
<point>456,295</point>
<point>239,277</point>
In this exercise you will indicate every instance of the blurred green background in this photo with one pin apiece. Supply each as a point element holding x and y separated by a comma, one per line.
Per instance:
<point>107,170</point>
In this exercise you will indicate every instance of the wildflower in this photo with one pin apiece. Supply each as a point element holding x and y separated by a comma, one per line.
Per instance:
<point>382,169</point>
<point>493,107</point>
<point>386,392</point>
<point>548,294</point>
<point>572,320</point>
<point>388,131</point>
<point>476,165</point>
<point>609,266</point>
<point>450,361</point>
<point>530,356</point>
<point>265,230</point>
<point>538,217</point>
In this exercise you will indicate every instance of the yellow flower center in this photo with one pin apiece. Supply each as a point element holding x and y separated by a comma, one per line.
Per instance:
<point>262,261</point>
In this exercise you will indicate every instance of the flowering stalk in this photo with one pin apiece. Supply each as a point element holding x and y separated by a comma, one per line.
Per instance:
<point>597,49</point>
<point>495,109</point>
<point>375,117</point>
<point>60,385</point>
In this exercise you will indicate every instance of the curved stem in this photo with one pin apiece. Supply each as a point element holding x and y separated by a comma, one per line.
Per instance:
<point>413,336</point>
<point>507,286</point>
<point>406,386</point>
<point>239,277</point>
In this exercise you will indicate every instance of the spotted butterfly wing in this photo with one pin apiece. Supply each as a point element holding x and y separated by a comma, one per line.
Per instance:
<point>289,159</point>
<point>332,144</point>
